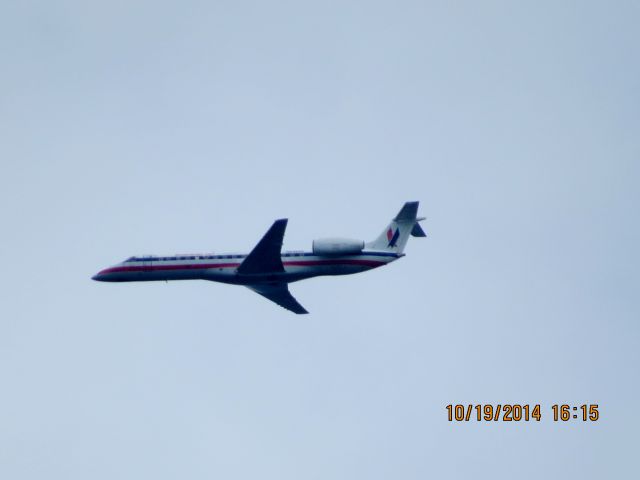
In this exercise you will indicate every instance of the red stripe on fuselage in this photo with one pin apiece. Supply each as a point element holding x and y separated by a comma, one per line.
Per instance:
<point>204,266</point>
<point>153,268</point>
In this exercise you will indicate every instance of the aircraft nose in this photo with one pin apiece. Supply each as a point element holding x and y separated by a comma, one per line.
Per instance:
<point>98,277</point>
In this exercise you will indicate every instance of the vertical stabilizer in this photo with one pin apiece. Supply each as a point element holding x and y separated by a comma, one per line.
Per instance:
<point>394,238</point>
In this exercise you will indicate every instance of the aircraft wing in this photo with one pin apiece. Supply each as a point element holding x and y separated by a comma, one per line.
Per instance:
<point>265,256</point>
<point>278,293</point>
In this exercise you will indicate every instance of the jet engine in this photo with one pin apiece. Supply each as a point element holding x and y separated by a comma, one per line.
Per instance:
<point>337,246</point>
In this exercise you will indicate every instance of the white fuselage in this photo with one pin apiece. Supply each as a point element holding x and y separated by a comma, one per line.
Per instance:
<point>223,268</point>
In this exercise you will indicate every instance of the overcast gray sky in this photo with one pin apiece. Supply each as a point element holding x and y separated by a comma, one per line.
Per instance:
<point>133,127</point>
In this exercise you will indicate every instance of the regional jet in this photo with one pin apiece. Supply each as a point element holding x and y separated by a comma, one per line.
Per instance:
<point>267,270</point>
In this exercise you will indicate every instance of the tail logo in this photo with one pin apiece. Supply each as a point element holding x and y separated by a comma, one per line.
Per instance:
<point>393,237</point>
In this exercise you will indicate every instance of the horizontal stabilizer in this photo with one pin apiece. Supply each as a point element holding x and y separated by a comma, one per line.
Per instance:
<point>417,231</point>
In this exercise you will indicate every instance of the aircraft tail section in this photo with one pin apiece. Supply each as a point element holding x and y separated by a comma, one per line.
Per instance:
<point>394,238</point>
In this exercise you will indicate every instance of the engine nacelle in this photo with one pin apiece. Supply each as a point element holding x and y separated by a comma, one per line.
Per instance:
<point>337,246</point>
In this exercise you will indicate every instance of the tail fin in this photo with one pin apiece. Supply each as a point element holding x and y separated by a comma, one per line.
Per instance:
<point>395,236</point>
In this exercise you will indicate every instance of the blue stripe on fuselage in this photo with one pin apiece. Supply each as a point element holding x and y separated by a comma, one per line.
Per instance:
<point>242,256</point>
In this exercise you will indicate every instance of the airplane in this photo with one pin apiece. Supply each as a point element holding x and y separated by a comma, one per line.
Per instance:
<point>267,270</point>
